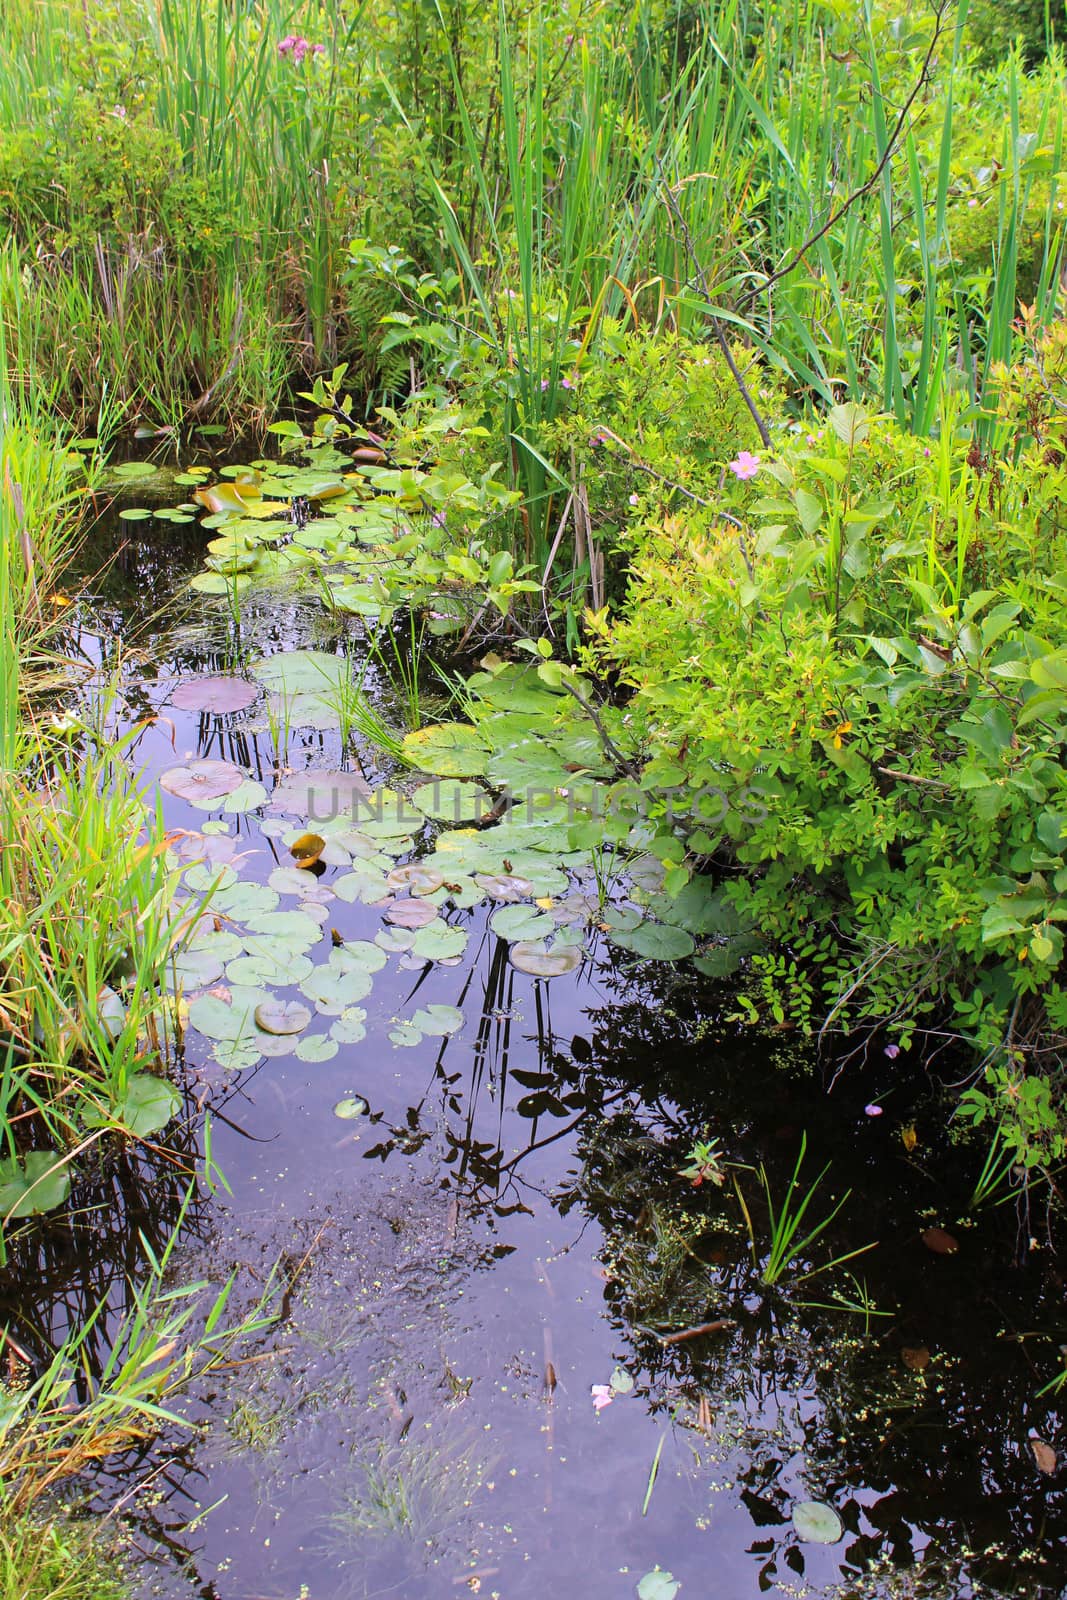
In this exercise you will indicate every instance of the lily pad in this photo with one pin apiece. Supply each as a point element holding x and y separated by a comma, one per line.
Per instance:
<point>307,849</point>
<point>351,1107</point>
<point>248,796</point>
<point>302,672</point>
<point>521,922</point>
<point>656,941</point>
<point>451,800</point>
<point>317,1047</point>
<point>295,880</point>
<point>204,781</point>
<point>364,883</point>
<point>658,1585</point>
<point>817,1523</point>
<point>36,1183</point>
<point>439,942</point>
<point>282,1016</point>
<point>505,887</point>
<point>351,1026</point>
<point>411,913</point>
<point>416,878</point>
<point>148,1104</point>
<point>541,962</point>
<point>448,749</point>
<point>333,992</point>
<point>297,929</point>
<point>357,953</point>
<point>319,796</point>
<point>404,1034</point>
<point>217,695</point>
<point>438,1020</point>
<point>241,900</point>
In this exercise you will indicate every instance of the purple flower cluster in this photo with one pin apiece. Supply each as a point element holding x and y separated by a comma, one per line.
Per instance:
<point>299,47</point>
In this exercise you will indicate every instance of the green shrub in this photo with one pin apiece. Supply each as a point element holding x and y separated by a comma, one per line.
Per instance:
<point>864,650</point>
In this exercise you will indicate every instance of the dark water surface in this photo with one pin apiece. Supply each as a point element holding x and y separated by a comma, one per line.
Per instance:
<point>509,1226</point>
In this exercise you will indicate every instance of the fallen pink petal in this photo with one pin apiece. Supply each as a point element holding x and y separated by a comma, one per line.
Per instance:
<point>602,1394</point>
<point>872,1110</point>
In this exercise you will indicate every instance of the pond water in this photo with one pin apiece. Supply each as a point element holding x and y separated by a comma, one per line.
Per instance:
<point>506,1236</point>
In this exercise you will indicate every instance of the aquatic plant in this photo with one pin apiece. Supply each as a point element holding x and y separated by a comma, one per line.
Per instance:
<point>788,1243</point>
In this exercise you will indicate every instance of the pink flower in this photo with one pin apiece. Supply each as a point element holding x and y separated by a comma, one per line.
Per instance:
<point>745,466</point>
<point>872,1110</point>
<point>565,383</point>
<point>287,44</point>
<point>603,1395</point>
<point>635,499</point>
<point>892,1051</point>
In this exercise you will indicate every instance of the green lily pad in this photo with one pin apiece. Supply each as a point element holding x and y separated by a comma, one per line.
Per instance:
<point>448,749</point>
<point>451,800</point>
<point>357,953</point>
<point>296,928</point>
<point>36,1183</point>
<point>656,941</point>
<point>817,1523</point>
<point>302,672</point>
<point>295,880</point>
<point>148,1104</point>
<point>395,940</point>
<point>269,964</point>
<point>351,1107</point>
<point>658,1585</point>
<point>438,1020</point>
<point>351,1026</point>
<point>317,1047</point>
<point>248,796</point>
<point>364,883</point>
<point>135,514</point>
<point>404,1034</point>
<point>521,922</point>
<point>439,942</point>
<point>282,1017</point>
<point>134,469</point>
<point>333,992</point>
<point>242,900</point>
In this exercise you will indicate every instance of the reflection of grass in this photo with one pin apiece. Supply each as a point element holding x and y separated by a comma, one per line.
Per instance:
<point>412,1489</point>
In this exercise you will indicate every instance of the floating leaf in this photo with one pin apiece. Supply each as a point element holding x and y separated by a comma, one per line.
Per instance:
<point>656,941</point>
<point>217,695</point>
<point>411,913</point>
<point>135,514</point>
<point>658,1585</point>
<point>504,886</point>
<point>357,953</point>
<point>451,800</point>
<point>449,749</point>
<point>365,883</point>
<point>134,469</point>
<point>438,1020</point>
<point>351,1107</point>
<point>282,1016</point>
<point>1044,1456</point>
<point>307,849</point>
<point>202,782</point>
<point>295,880</point>
<point>621,1381</point>
<point>915,1357</point>
<point>317,1047</point>
<point>350,1026</point>
<point>320,796</point>
<point>416,878</point>
<point>333,992</point>
<point>940,1242</point>
<point>248,796</point>
<point>817,1523</point>
<point>38,1182</point>
<point>298,929</point>
<point>439,942</point>
<point>243,900</point>
<point>302,672</point>
<point>148,1104</point>
<point>404,1034</point>
<point>540,962</point>
<point>521,922</point>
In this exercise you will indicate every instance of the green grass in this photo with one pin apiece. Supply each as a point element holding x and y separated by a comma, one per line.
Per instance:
<point>63,1559</point>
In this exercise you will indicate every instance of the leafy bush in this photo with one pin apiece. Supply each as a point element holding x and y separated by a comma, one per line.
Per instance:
<point>866,643</point>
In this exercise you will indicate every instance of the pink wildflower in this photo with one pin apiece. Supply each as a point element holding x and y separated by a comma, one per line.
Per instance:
<point>872,1110</point>
<point>635,499</point>
<point>892,1051</point>
<point>287,44</point>
<point>602,1394</point>
<point>745,466</point>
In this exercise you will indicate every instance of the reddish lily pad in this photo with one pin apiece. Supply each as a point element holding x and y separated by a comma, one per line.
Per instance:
<point>411,913</point>
<point>217,695</point>
<point>319,795</point>
<point>540,962</point>
<point>203,781</point>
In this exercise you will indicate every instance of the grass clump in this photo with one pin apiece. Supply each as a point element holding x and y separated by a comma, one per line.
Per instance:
<point>61,1560</point>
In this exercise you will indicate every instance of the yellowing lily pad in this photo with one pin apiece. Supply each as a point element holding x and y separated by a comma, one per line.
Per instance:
<point>540,962</point>
<point>449,749</point>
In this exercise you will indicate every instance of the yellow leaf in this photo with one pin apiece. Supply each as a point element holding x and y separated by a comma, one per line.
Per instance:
<point>545,903</point>
<point>909,1137</point>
